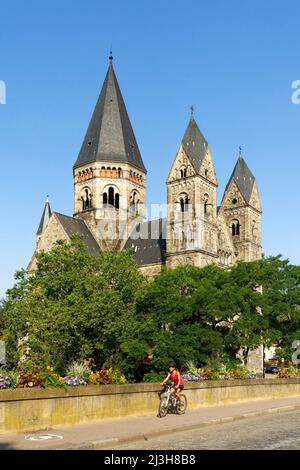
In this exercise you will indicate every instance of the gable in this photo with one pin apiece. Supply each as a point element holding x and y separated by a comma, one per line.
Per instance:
<point>207,169</point>
<point>232,194</point>
<point>180,162</point>
<point>255,199</point>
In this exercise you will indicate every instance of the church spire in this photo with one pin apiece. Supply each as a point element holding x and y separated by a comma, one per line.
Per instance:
<point>242,176</point>
<point>110,136</point>
<point>194,143</point>
<point>45,217</point>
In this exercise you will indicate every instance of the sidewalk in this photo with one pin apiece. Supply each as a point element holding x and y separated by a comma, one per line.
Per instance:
<point>109,433</point>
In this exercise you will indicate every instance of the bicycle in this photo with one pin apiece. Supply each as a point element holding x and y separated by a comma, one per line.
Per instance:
<point>170,403</point>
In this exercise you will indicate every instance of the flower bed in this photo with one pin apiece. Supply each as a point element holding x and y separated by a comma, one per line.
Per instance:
<point>77,374</point>
<point>223,372</point>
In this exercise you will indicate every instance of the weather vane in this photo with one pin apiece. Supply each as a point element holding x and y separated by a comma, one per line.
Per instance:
<point>192,111</point>
<point>110,53</point>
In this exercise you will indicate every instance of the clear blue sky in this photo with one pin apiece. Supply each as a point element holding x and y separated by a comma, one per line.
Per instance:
<point>233,60</point>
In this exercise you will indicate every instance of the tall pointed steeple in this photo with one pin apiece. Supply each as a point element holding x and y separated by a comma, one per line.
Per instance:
<point>243,177</point>
<point>110,136</point>
<point>45,217</point>
<point>194,143</point>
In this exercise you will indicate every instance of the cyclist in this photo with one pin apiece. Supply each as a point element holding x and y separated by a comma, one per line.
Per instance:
<point>176,378</point>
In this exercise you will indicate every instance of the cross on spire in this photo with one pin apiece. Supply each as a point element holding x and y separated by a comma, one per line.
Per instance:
<point>110,54</point>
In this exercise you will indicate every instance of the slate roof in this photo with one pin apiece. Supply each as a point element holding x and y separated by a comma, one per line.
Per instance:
<point>45,218</point>
<point>77,226</point>
<point>243,178</point>
<point>110,135</point>
<point>194,144</point>
<point>148,242</point>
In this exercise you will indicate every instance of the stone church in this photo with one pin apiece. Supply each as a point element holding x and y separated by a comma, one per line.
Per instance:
<point>110,198</point>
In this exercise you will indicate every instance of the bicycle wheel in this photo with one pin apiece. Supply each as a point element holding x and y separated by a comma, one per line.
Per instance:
<point>163,407</point>
<point>181,404</point>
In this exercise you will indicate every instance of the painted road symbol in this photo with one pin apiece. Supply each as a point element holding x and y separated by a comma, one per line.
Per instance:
<point>42,437</point>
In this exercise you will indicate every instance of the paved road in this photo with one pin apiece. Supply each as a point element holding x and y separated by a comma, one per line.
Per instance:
<point>280,431</point>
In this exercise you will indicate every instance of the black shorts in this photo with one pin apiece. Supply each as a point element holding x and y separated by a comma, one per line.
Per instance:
<point>181,387</point>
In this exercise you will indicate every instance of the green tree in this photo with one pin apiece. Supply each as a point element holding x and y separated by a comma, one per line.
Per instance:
<point>76,305</point>
<point>184,313</point>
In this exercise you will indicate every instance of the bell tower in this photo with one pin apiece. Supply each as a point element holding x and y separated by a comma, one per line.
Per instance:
<point>242,210</point>
<point>192,202</point>
<point>109,173</point>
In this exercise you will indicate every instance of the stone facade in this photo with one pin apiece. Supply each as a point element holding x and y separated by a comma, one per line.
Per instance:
<point>53,232</point>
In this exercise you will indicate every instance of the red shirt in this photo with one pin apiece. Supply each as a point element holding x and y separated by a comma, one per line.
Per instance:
<point>174,378</point>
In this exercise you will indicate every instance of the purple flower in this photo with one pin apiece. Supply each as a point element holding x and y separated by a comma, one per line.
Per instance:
<point>74,381</point>
<point>4,381</point>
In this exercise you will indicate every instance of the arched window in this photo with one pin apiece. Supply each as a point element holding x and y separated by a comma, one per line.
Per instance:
<point>108,171</point>
<point>206,203</point>
<point>134,203</point>
<point>111,196</point>
<point>119,172</point>
<point>104,199</point>
<point>102,172</point>
<point>114,172</point>
<point>183,172</point>
<point>117,201</point>
<point>183,238</point>
<point>182,204</point>
<point>235,227</point>
<point>86,199</point>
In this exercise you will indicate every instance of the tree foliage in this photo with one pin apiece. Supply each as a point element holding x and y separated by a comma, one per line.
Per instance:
<point>74,306</point>
<point>77,306</point>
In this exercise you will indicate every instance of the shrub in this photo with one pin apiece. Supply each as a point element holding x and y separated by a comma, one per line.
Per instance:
<point>51,379</point>
<point>152,377</point>
<point>287,373</point>
<point>116,376</point>
<point>222,373</point>
<point>79,370</point>
<point>100,377</point>
<point>239,372</point>
<point>12,377</point>
<point>207,373</point>
<point>30,379</point>
<point>191,367</point>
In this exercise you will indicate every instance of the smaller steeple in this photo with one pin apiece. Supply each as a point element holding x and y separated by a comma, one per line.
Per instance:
<point>45,217</point>
<point>194,143</point>
<point>242,176</point>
